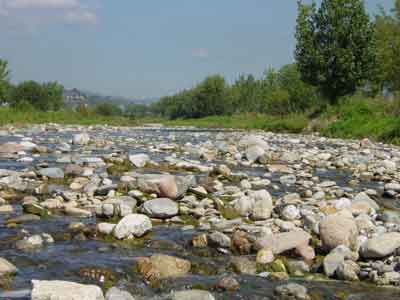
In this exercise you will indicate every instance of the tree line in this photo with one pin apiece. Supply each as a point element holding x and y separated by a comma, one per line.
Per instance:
<point>340,50</point>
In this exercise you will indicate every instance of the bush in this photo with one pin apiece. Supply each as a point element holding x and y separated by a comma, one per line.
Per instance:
<point>108,109</point>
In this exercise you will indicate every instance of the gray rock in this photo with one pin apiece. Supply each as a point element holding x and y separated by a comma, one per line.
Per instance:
<point>192,295</point>
<point>160,208</point>
<point>81,139</point>
<point>336,257</point>
<point>132,225</point>
<point>117,294</point>
<point>338,229</point>
<point>282,242</point>
<point>348,270</point>
<point>54,173</point>
<point>105,228</point>
<point>139,160</point>
<point>6,268</point>
<point>253,153</point>
<point>243,265</point>
<point>381,246</point>
<point>292,291</point>
<point>64,290</point>
<point>219,239</point>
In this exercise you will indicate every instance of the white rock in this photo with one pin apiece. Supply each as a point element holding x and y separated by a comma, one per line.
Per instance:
<point>132,225</point>
<point>64,290</point>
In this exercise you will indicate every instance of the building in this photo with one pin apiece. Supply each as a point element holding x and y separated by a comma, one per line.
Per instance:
<point>74,98</point>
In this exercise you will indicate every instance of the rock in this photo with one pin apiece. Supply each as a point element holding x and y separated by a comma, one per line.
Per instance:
<point>229,284</point>
<point>6,268</point>
<point>161,266</point>
<point>105,228</point>
<point>54,173</point>
<point>288,179</point>
<point>265,256</point>
<point>77,212</point>
<point>240,242</point>
<point>81,139</point>
<point>200,241</point>
<point>290,213</point>
<point>338,229</point>
<point>25,218</point>
<point>139,160</point>
<point>263,205</point>
<point>52,290</point>
<point>381,246</point>
<point>29,243</point>
<point>336,257</point>
<point>6,209</point>
<point>364,198</point>
<point>219,239</point>
<point>281,242</point>
<point>133,225</point>
<point>10,148</point>
<point>292,291</point>
<point>244,206</point>
<point>74,170</point>
<point>392,187</point>
<point>243,265</point>
<point>161,208</point>
<point>35,209</point>
<point>117,294</point>
<point>192,295</point>
<point>253,153</point>
<point>348,270</point>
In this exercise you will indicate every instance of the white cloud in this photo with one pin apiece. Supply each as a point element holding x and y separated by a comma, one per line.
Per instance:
<point>35,13</point>
<point>201,53</point>
<point>42,4</point>
<point>80,17</point>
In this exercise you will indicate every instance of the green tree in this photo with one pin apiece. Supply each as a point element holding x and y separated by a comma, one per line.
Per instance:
<point>47,96</point>
<point>335,46</point>
<point>4,80</point>
<point>388,48</point>
<point>108,109</point>
<point>135,110</point>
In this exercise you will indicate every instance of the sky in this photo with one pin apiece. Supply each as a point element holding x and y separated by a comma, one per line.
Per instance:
<point>146,48</point>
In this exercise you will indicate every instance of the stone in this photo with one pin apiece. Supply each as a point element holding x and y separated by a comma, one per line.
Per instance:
<point>105,228</point>
<point>219,239</point>
<point>161,266</point>
<point>53,173</point>
<point>338,229</point>
<point>348,270</point>
<point>77,212</point>
<point>229,284</point>
<point>139,160</point>
<point>6,209</point>
<point>381,246</point>
<point>63,290</point>
<point>192,295</point>
<point>81,139</point>
<point>117,294</point>
<point>7,268</point>
<point>292,291</point>
<point>336,257</point>
<point>240,242</point>
<point>243,265</point>
<point>10,148</point>
<point>290,213</point>
<point>29,243</point>
<point>281,242</point>
<point>161,208</point>
<point>200,241</point>
<point>133,225</point>
<point>263,205</point>
<point>253,153</point>
<point>265,256</point>
<point>244,206</point>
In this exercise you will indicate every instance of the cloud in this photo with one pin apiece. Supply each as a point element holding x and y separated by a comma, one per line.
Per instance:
<point>30,14</point>
<point>80,17</point>
<point>42,4</point>
<point>201,53</point>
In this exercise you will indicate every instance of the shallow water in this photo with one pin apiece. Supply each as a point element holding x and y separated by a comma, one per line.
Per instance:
<point>64,259</point>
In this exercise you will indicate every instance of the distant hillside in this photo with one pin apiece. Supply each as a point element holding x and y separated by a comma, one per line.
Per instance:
<point>74,96</point>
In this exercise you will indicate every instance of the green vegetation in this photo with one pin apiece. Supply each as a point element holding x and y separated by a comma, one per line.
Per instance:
<point>335,47</point>
<point>345,82</point>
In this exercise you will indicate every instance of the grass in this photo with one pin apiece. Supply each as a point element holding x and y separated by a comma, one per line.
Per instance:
<point>294,123</point>
<point>19,117</point>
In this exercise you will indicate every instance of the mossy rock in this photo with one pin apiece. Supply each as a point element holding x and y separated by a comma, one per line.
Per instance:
<point>277,265</point>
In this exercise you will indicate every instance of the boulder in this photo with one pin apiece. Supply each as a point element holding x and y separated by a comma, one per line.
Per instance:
<point>81,139</point>
<point>161,208</point>
<point>338,229</point>
<point>292,291</point>
<point>133,225</point>
<point>381,246</point>
<point>6,268</point>
<point>336,257</point>
<point>117,294</point>
<point>11,148</point>
<point>139,160</point>
<point>192,295</point>
<point>253,153</point>
<point>54,173</point>
<point>64,290</point>
<point>161,266</point>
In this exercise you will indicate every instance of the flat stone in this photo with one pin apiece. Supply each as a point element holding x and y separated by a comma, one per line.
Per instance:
<point>192,295</point>
<point>63,290</point>
<point>7,268</point>
<point>381,246</point>
<point>161,208</point>
<point>135,225</point>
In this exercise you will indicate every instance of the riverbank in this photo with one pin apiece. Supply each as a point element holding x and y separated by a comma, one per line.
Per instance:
<point>158,213</point>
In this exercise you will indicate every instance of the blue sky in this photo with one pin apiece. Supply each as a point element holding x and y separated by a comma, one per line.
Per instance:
<point>146,48</point>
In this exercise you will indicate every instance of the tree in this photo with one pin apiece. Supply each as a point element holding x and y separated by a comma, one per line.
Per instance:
<point>4,80</point>
<point>46,96</point>
<point>108,109</point>
<point>388,48</point>
<point>335,46</point>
